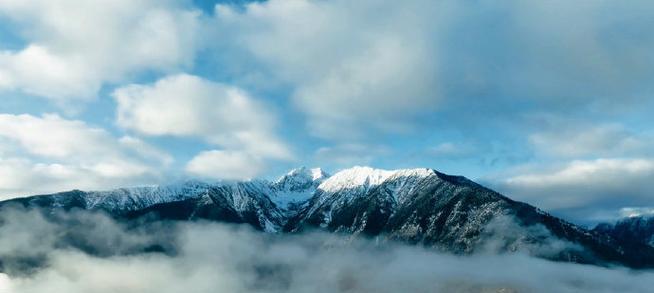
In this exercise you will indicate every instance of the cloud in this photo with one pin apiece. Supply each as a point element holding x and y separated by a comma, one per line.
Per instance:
<point>50,153</point>
<point>569,140</point>
<point>503,233</point>
<point>356,71</point>
<point>368,78</point>
<point>225,165</point>
<point>584,190</point>
<point>529,56</point>
<point>348,154</point>
<point>451,150</point>
<point>237,259</point>
<point>629,212</point>
<point>83,46</point>
<point>225,116</point>
<point>461,61</point>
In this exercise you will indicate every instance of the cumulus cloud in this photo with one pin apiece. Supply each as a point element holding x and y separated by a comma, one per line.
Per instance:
<point>584,190</point>
<point>225,116</point>
<point>450,58</point>
<point>50,153</point>
<point>371,77</point>
<point>210,257</point>
<point>72,48</point>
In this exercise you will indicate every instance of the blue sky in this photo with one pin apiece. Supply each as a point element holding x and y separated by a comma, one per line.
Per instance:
<point>548,102</point>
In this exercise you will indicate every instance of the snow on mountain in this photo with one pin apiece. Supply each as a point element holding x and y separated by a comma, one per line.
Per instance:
<point>344,186</point>
<point>343,189</point>
<point>135,198</point>
<point>300,179</point>
<point>296,187</point>
<point>367,177</point>
<point>355,177</point>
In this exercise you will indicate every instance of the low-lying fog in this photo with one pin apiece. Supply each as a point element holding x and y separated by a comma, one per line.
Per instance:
<point>37,256</point>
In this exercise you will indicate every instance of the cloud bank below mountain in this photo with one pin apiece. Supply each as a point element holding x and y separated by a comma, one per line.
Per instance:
<point>207,257</point>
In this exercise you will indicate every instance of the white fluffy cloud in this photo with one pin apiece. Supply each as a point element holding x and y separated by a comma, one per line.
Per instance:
<point>72,48</point>
<point>349,66</point>
<point>49,153</point>
<point>235,259</point>
<point>225,165</point>
<point>585,190</point>
<point>224,116</point>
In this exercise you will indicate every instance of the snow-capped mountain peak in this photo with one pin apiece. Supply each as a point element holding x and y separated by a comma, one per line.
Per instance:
<point>297,186</point>
<point>300,179</point>
<point>318,173</point>
<point>304,172</point>
<point>360,176</point>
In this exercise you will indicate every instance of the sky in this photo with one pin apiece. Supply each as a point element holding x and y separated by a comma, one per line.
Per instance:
<point>547,102</point>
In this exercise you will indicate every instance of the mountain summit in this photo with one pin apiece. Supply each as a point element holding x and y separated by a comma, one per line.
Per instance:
<point>417,206</point>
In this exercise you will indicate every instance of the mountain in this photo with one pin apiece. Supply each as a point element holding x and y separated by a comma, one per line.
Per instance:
<point>295,188</point>
<point>417,206</point>
<point>637,229</point>
<point>263,204</point>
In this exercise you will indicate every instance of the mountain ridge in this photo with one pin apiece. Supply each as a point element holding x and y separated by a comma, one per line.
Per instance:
<point>418,206</point>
